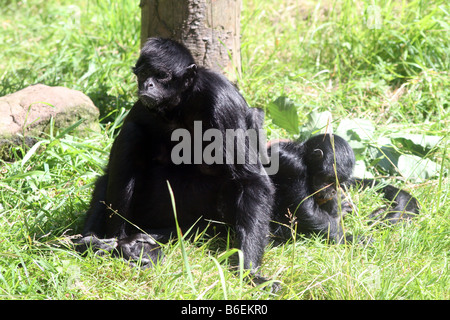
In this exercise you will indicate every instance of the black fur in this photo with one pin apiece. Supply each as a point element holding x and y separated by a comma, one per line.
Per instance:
<point>403,205</point>
<point>307,186</point>
<point>133,195</point>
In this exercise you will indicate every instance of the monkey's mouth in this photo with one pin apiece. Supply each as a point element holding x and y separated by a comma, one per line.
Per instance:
<point>149,102</point>
<point>158,103</point>
<point>324,195</point>
<point>320,201</point>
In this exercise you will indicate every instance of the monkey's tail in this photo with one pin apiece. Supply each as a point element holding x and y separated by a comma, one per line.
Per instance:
<point>403,205</point>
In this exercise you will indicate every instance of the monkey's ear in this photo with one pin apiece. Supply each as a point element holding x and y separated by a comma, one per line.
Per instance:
<point>189,75</point>
<point>191,70</point>
<point>317,153</point>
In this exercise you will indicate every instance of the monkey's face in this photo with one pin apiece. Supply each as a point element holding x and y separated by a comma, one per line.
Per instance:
<point>328,177</point>
<point>164,71</point>
<point>324,186</point>
<point>162,88</point>
<point>156,87</point>
<point>161,83</point>
<point>330,165</point>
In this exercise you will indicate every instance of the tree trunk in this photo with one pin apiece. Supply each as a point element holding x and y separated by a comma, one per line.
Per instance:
<point>209,28</point>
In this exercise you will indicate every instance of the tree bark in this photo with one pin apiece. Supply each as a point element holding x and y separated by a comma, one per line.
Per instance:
<point>209,28</point>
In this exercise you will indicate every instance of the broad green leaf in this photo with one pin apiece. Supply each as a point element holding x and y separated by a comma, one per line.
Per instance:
<point>356,129</point>
<point>319,121</point>
<point>407,165</point>
<point>385,157</point>
<point>284,114</point>
<point>360,170</point>
<point>414,167</point>
<point>417,143</point>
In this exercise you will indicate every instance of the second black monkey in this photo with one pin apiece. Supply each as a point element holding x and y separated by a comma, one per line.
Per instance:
<point>307,182</point>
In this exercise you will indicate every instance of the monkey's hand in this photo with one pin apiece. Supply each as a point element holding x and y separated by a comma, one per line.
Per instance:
<point>140,249</point>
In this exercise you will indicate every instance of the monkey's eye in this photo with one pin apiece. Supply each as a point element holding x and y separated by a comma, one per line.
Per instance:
<point>143,75</point>
<point>331,179</point>
<point>328,179</point>
<point>163,76</point>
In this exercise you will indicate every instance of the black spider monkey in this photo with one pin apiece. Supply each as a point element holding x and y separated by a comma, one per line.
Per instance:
<point>131,206</point>
<point>307,182</point>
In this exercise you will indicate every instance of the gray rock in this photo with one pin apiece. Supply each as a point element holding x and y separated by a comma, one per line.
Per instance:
<point>26,114</point>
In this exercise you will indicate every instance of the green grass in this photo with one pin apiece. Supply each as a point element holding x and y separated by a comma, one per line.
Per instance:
<point>321,55</point>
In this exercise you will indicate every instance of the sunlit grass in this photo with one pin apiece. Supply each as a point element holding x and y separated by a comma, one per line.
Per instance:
<point>322,55</point>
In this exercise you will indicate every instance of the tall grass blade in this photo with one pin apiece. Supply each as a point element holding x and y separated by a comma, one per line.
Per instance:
<point>180,237</point>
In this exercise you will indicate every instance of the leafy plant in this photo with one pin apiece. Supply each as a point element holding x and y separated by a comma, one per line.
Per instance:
<point>411,159</point>
<point>284,114</point>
